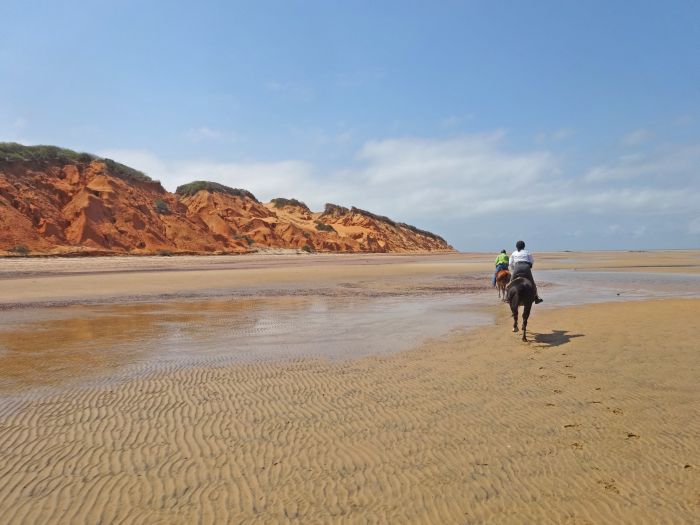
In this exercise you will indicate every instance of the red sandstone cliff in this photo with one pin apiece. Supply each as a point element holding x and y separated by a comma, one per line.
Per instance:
<point>82,204</point>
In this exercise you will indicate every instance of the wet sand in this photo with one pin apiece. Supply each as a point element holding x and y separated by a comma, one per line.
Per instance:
<point>36,282</point>
<point>594,421</point>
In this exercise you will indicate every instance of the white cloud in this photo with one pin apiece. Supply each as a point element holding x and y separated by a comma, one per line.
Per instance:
<point>462,176</point>
<point>454,121</point>
<point>562,134</point>
<point>405,177</point>
<point>626,167</point>
<point>680,163</point>
<point>141,160</point>
<point>555,136</point>
<point>471,179</point>
<point>474,160</point>
<point>451,122</point>
<point>266,180</point>
<point>637,137</point>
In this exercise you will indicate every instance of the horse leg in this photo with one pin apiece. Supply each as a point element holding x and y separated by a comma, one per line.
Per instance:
<point>526,315</point>
<point>514,309</point>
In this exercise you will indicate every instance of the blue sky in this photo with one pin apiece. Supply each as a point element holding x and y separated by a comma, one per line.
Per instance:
<point>572,125</point>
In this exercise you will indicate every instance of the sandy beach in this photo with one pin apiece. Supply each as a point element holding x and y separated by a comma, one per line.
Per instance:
<point>348,389</point>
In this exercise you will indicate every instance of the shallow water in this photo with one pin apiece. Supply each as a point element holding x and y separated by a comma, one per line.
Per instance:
<point>67,344</point>
<point>572,287</point>
<point>53,347</point>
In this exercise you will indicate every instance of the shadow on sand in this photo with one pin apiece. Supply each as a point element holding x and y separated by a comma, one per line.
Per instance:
<point>556,338</point>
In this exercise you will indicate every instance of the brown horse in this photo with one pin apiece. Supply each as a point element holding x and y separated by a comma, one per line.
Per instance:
<point>502,279</point>
<point>520,292</point>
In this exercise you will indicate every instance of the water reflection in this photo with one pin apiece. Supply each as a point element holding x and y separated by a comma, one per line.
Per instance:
<point>57,346</point>
<point>76,343</point>
<point>572,287</point>
<point>65,346</point>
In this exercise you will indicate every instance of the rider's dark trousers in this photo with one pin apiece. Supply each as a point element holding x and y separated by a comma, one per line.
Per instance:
<point>522,269</point>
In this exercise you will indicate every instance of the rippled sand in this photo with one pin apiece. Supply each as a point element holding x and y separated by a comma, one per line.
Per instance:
<point>595,421</point>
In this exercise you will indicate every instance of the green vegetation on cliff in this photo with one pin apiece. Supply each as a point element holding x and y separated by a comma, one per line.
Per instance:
<point>125,172</point>
<point>334,209</point>
<point>380,218</point>
<point>188,190</point>
<point>281,202</point>
<point>387,220</point>
<point>13,152</point>
<point>324,227</point>
<point>420,232</point>
<point>162,207</point>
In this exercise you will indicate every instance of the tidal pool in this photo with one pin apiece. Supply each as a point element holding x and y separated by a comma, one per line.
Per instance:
<point>52,347</point>
<point>572,287</point>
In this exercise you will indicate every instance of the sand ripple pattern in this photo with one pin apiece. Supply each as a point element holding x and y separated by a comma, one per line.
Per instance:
<point>578,427</point>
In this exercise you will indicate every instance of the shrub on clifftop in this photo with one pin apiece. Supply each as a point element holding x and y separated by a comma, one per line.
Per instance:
<point>125,172</point>
<point>281,202</point>
<point>13,152</point>
<point>191,189</point>
<point>334,209</point>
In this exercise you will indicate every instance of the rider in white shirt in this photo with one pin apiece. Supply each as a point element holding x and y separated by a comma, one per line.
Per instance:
<point>520,265</point>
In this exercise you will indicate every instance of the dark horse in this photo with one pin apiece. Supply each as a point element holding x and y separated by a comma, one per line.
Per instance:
<point>520,292</point>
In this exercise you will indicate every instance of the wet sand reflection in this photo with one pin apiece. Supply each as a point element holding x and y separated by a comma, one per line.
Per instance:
<point>77,343</point>
<point>49,347</point>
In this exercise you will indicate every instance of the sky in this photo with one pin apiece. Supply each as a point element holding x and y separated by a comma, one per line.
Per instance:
<point>570,125</point>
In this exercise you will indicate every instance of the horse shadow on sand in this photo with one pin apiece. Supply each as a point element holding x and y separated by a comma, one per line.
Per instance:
<point>555,338</point>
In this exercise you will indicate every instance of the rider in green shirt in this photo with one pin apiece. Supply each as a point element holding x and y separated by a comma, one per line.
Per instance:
<point>501,264</point>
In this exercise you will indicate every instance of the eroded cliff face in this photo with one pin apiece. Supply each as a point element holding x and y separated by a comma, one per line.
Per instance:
<point>85,207</point>
<point>350,229</point>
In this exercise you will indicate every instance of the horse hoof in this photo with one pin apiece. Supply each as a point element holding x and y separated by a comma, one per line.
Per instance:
<point>515,330</point>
